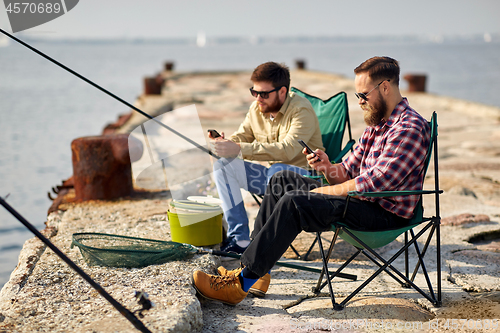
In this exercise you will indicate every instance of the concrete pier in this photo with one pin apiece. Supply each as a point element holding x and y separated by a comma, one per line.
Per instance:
<point>44,294</point>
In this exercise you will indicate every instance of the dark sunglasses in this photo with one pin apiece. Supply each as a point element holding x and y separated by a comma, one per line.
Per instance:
<point>365,96</point>
<point>263,94</point>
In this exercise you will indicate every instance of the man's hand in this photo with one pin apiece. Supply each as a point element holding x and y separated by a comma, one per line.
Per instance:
<point>314,160</point>
<point>225,148</point>
<point>337,190</point>
<point>334,173</point>
<point>211,137</point>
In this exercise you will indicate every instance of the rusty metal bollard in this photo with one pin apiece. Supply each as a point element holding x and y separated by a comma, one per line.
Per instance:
<point>153,85</point>
<point>101,166</point>
<point>169,66</point>
<point>416,82</point>
<point>301,64</point>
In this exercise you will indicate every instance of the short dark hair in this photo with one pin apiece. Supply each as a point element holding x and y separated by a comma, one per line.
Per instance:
<point>277,74</point>
<point>380,68</point>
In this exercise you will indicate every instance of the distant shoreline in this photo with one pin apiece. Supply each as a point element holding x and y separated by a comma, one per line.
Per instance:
<point>262,40</point>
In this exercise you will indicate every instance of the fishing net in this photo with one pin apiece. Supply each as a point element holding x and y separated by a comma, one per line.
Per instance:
<point>109,250</point>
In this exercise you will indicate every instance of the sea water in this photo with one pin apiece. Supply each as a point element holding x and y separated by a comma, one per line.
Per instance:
<point>43,108</point>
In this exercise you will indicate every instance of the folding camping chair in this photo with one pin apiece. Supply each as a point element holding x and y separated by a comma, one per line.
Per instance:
<point>366,241</point>
<point>333,116</point>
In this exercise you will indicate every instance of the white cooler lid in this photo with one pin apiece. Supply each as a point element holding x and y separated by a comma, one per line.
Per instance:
<point>208,199</point>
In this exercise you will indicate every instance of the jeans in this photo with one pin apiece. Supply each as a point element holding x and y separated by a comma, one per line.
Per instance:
<point>289,207</point>
<point>231,175</point>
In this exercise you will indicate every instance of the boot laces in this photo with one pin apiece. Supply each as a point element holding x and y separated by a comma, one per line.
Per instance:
<point>220,282</point>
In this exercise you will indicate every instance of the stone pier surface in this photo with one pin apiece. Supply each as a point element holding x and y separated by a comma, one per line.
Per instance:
<point>44,294</point>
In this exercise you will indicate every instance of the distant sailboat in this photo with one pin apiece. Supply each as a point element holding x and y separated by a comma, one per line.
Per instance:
<point>201,39</point>
<point>487,38</point>
<point>4,41</point>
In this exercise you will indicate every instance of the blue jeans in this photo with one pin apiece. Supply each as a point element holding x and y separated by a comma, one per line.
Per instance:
<point>231,175</point>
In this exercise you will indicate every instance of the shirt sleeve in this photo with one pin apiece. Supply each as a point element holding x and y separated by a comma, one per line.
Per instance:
<point>352,163</point>
<point>244,132</point>
<point>403,153</point>
<point>302,126</point>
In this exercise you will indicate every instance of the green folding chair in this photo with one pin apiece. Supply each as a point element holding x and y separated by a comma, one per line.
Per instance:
<point>367,241</point>
<point>333,116</point>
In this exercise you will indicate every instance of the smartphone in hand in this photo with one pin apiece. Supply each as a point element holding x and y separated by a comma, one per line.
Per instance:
<point>309,150</point>
<point>214,133</point>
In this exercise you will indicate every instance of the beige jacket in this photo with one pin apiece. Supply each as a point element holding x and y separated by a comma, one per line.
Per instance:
<point>275,141</point>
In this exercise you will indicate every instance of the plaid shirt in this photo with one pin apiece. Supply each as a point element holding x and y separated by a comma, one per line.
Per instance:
<point>390,157</point>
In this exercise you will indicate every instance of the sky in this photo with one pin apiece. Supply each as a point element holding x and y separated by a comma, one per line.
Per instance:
<point>221,18</point>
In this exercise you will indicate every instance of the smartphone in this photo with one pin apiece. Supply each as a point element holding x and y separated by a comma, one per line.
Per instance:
<point>309,150</point>
<point>214,133</point>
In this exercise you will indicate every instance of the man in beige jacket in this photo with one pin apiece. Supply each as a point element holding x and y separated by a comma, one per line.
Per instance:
<point>277,119</point>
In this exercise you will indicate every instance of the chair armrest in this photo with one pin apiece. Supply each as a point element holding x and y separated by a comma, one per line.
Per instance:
<point>314,176</point>
<point>319,178</point>
<point>344,151</point>
<point>390,193</point>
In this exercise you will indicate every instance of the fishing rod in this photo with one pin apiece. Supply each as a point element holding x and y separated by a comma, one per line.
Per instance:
<point>124,311</point>
<point>108,93</point>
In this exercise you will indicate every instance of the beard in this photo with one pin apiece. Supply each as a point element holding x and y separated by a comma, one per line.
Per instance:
<point>273,106</point>
<point>374,114</point>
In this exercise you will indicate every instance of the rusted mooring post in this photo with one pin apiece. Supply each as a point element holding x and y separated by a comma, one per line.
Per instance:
<point>300,63</point>
<point>416,82</point>
<point>153,85</point>
<point>101,166</point>
<point>169,66</point>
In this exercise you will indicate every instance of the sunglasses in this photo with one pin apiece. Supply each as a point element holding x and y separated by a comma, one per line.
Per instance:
<point>263,94</point>
<point>365,96</point>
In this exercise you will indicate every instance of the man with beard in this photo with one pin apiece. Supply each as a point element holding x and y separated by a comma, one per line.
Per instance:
<point>277,119</point>
<point>390,156</point>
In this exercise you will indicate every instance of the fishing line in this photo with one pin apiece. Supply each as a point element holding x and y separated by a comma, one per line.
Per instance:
<point>124,311</point>
<point>108,93</point>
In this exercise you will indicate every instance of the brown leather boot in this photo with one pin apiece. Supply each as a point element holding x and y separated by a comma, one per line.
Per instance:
<point>258,289</point>
<point>226,289</point>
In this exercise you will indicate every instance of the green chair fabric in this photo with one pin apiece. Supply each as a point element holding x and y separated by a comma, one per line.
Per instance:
<point>333,116</point>
<point>373,239</point>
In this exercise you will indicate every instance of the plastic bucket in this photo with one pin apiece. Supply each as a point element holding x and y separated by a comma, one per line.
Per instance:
<point>195,223</point>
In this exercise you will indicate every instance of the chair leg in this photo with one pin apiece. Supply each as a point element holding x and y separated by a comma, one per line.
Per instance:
<point>335,305</point>
<point>439,301</point>
<point>338,272</point>
<point>310,249</point>
<point>407,266</point>
<point>424,250</point>
<point>254,196</point>
<point>330,249</point>
<point>387,264</point>
<point>295,251</point>
<point>424,269</point>
<point>388,272</point>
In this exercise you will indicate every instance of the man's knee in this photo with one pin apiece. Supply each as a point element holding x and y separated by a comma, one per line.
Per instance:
<point>278,167</point>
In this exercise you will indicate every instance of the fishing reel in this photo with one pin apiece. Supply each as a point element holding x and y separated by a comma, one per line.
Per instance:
<point>144,301</point>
